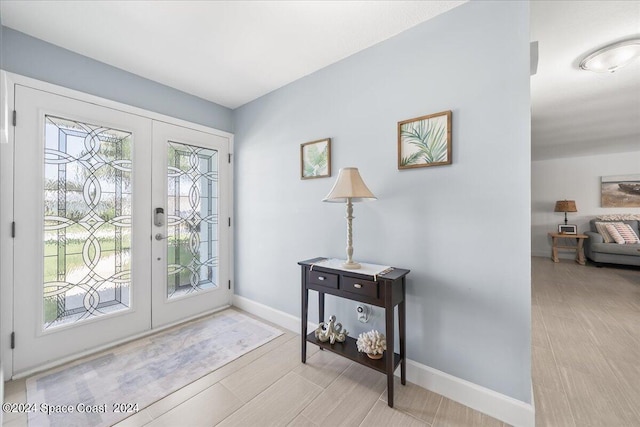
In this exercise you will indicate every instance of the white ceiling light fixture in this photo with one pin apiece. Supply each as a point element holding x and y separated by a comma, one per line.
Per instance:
<point>612,57</point>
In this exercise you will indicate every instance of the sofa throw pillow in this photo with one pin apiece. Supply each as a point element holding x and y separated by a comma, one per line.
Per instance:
<point>602,230</point>
<point>613,232</point>
<point>627,233</point>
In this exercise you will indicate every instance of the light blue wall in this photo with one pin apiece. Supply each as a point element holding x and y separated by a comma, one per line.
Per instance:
<point>31,57</point>
<point>463,229</point>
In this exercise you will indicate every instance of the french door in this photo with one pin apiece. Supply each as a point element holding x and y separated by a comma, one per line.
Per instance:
<point>117,226</point>
<point>190,232</point>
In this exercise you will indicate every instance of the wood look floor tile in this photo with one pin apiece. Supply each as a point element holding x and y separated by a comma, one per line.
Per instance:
<point>453,414</point>
<point>348,400</point>
<point>323,368</point>
<point>582,357</point>
<point>544,369</point>
<point>301,421</point>
<point>20,421</point>
<point>598,322</point>
<point>205,409</point>
<point>628,376</point>
<point>630,320</point>
<point>539,334</point>
<point>249,381</point>
<point>136,420</point>
<point>15,392</point>
<point>597,401</point>
<point>618,346</point>
<point>585,320</point>
<point>619,302</point>
<point>179,396</point>
<point>278,405</point>
<point>548,292</point>
<point>381,415</point>
<point>552,408</point>
<point>565,329</point>
<point>415,401</point>
<point>592,351</point>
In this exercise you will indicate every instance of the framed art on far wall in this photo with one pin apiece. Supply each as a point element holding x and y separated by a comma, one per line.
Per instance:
<point>620,191</point>
<point>425,141</point>
<point>315,159</point>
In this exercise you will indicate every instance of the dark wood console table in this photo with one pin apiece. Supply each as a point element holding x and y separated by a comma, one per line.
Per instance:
<point>384,290</point>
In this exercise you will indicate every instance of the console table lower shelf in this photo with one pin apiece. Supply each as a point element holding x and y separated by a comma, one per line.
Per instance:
<point>349,349</point>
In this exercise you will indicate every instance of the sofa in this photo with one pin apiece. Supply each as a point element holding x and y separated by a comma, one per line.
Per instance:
<point>611,253</point>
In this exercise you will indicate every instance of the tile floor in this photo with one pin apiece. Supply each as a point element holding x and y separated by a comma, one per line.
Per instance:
<point>585,344</point>
<point>270,387</point>
<point>586,371</point>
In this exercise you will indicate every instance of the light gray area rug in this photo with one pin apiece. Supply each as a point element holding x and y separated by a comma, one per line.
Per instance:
<point>143,371</point>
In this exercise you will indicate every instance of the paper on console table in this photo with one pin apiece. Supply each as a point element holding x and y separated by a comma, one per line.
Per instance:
<point>368,269</point>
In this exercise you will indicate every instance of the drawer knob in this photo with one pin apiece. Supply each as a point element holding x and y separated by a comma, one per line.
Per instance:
<point>321,277</point>
<point>357,285</point>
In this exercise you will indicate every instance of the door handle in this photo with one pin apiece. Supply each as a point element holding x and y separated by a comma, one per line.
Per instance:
<point>160,237</point>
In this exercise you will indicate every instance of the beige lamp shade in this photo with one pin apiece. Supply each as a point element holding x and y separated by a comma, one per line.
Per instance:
<point>565,206</point>
<point>349,185</point>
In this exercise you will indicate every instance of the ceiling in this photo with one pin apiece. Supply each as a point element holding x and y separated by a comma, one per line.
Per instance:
<point>576,112</point>
<point>232,52</point>
<point>228,52</point>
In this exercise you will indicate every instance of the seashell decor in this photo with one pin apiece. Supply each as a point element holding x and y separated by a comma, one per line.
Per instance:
<point>373,343</point>
<point>331,331</point>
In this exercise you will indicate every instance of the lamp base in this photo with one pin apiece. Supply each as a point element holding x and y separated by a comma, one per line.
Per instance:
<point>351,265</point>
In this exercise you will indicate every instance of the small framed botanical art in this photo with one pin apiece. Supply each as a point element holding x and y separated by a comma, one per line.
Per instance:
<point>567,229</point>
<point>425,141</point>
<point>315,159</point>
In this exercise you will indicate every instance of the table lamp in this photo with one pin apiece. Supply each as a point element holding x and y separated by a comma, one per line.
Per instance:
<point>349,188</point>
<point>565,206</point>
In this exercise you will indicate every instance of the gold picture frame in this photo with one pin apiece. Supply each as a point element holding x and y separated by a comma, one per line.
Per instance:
<point>315,159</point>
<point>425,141</point>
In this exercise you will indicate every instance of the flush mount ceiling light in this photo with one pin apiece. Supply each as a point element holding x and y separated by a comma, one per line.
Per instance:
<point>610,58</point>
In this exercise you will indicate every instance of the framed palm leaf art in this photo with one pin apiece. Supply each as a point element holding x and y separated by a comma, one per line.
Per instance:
<point>425,141</point>
<point>315,159</point>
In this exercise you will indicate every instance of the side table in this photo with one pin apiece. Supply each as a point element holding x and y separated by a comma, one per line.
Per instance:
<point>579,248</point>
<point>386,290</point>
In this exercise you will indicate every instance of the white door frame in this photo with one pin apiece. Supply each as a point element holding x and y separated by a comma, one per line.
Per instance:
<point>7,138</point>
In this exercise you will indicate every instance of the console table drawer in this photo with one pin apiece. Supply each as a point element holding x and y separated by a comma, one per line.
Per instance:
<point>327,280</point>
<point>359,286</point>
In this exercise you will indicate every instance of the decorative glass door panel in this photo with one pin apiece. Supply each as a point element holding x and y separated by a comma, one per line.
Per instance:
<point>87,221</point>
<point>81,251</point>
<point>96,261</point>
<point>192,247</point>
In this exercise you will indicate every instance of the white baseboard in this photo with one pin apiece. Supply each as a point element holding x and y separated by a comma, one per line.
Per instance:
<point>492,403</point>
<point>497,405</point>
<point>278,317</point>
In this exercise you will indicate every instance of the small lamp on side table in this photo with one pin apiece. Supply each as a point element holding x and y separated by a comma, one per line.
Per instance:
<point>349,188</point>
<point>566,206</point>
